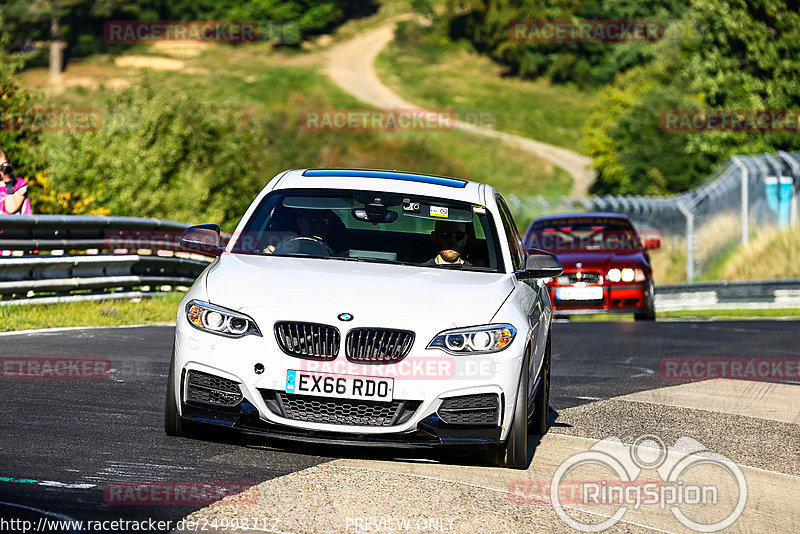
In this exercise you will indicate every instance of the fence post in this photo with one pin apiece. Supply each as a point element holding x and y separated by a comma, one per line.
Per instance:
<point>795,200</point>
<point>745,201</point>
<point>689,241</point>
<point>545,204</point>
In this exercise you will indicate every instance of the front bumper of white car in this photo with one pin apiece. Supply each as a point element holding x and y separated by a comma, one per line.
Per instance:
<point>438,398</point>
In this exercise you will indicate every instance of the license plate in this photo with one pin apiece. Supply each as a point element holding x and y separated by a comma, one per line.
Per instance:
<point>339,386</point>
<point>579,293</point>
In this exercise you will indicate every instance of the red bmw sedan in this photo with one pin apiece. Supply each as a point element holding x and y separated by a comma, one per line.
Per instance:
<point>606,264</point>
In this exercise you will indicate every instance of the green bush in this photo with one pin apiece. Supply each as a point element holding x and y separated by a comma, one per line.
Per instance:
<point>161,154</point>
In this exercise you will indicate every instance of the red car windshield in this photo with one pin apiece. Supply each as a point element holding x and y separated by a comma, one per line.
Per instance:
<point>583,234</point>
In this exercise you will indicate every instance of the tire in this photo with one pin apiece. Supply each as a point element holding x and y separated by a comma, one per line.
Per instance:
<point>173,426</point>
<point>538,423</point>
<point>650,313</point>
<point>514,452</point>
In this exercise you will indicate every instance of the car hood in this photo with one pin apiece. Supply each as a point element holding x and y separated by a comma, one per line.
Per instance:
<point>318,290</point>
<point>601,260</point>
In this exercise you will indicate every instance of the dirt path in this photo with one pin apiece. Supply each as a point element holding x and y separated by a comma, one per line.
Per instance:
<point>351,66</point>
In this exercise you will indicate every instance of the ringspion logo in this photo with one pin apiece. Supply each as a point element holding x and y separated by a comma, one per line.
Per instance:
<point>691,478</point>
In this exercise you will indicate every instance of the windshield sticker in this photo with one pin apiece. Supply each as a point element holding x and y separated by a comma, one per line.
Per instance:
<point>480,210</point>
<point>439,211</point>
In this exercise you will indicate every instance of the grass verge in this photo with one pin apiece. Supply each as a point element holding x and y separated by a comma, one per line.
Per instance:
<point>148,310</point>
<point>771,254</point>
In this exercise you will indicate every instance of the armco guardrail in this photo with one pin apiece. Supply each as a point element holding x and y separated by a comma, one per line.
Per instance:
<point>96,256</point>
<point>751,294</point>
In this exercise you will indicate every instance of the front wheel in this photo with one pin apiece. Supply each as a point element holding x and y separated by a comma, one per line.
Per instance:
<point>650,312</point>
<point>538,424</point>
<point>514,452</point>
<point>173,426</point>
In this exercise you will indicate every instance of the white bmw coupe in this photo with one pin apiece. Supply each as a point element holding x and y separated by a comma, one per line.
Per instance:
<point>368,307</point>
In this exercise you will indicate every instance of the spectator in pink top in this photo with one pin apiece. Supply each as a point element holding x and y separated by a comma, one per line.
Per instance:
<point>13,191</point>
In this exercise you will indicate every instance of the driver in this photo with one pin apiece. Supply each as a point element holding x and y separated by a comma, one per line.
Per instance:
<point>315,223</point>
<point>311,223</point>
<point>451,240</point>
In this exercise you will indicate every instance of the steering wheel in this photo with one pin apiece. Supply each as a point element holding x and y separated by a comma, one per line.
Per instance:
<point>304,246</point>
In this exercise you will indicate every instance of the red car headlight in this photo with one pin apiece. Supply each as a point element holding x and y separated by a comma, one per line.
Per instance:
<point>626,275</point>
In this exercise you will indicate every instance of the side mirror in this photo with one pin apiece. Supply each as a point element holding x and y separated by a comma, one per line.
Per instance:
<point>202,238</point>
<point>540,264</point>
<point>652,243</point>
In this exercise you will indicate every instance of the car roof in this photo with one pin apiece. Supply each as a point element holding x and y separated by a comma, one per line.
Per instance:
<point>385,180</point>
<point>580,216</point>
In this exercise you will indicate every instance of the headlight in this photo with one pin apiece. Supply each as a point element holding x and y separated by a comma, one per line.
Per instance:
<point>475,340</point>
<point>219,320</point>
<point>627,274</point>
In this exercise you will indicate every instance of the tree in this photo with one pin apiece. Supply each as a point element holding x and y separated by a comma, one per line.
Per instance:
<point>52,18</point>
<point>743,58</point>
<point>747,60</point>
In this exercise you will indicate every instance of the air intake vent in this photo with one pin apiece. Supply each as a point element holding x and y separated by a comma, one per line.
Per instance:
<point>470,410</point>
<point>339,411</point>
<point>209,389</point>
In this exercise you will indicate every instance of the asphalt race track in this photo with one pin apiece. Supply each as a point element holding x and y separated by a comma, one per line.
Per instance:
<point>62,442</point>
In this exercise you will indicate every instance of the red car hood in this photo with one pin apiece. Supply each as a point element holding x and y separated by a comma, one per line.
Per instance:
<point>601,260</point>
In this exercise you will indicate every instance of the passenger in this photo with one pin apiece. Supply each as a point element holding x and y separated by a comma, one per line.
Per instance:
<point>451,240</point>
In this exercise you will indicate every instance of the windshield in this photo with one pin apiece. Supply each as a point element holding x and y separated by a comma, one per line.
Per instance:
<point>587,234</point>
<point>373,226</point>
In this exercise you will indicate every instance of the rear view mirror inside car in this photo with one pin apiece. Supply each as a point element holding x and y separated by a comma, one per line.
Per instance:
<point>374,216</point>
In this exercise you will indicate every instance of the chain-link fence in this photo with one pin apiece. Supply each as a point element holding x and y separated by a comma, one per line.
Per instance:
<point>747,195</point>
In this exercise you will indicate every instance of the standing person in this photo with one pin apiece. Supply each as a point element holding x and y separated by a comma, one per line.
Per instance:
<point>13,191</point>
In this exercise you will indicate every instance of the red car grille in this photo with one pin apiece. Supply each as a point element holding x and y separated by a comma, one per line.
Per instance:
<point>587,278</point>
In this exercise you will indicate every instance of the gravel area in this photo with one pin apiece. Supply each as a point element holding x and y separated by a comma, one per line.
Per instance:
<point>745,440</point>
<point>327,498</point>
